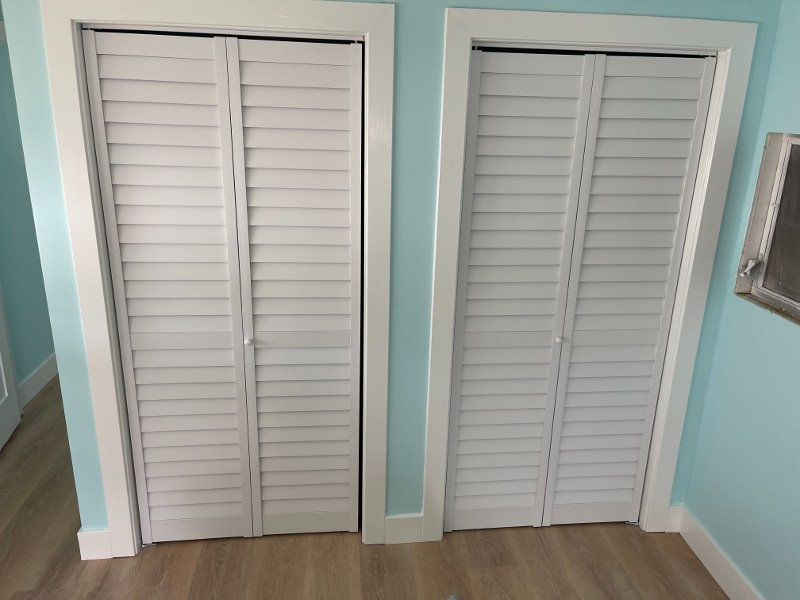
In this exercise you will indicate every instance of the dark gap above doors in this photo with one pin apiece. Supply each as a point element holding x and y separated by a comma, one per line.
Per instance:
<point>511,50</point>
<point>279,38</point>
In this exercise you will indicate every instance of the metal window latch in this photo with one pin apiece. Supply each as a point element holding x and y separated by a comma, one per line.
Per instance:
<point>753,263</point>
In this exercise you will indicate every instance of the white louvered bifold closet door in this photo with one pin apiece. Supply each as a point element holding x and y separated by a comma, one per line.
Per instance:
<point>162,135</point>
<point>296,114</point>
<point>524,158</point>
<point>645,131</point>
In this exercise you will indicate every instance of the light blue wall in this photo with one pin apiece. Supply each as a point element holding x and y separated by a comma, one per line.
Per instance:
<point>20,270</point>
<point>420,28</point>
<point>28,64</point>
<point>740,459</point>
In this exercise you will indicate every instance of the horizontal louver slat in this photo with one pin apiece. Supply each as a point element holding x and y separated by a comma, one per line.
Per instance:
<point>169,92</point>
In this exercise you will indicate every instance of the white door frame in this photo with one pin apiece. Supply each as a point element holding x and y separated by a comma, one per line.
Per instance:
<point>733,45</point>
<point>372,23</point>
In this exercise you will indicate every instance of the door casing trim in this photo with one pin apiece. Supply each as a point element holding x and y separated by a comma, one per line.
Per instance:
<point>371,22</point>
<point>733,45</point>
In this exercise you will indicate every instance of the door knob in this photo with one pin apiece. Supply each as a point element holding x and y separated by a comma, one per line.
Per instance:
<point>559,339</point>
<point>248,341</point>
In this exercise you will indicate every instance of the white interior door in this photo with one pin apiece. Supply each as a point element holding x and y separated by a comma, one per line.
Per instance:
<point>230,172</point>
<point>644,136</point>
<point>296,114</point>
<point>579,176</point>
<point>525,139</point>
<point>162,136</point>
<point>9,404</point>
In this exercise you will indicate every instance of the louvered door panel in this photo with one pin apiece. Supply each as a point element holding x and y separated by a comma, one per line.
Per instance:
<point>524,156</point>
<point>645,131</point>
<point>161,122</point>
<point>298,108</point>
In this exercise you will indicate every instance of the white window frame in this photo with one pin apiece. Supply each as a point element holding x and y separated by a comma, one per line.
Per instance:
<point>733,45</point>
<point>370,22</point>
<point>761,228</point>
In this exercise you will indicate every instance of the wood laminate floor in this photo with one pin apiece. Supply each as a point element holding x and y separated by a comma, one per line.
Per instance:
<point>39,556</point>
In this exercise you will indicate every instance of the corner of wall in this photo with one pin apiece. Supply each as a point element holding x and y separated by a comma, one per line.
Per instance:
<point>726,573</point>
<point>35,382</point>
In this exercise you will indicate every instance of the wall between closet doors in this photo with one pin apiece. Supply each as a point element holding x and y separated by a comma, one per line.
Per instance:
<point>419,38</point>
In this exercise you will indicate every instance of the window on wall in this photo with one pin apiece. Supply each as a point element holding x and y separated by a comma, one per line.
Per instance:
<point>769,272</point>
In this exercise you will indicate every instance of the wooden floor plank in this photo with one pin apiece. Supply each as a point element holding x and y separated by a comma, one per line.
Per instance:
<point>31,451</point>
<point>332,568</point>
<point>543,570</point>
<point>276,567</point>
<point>438,573</point>
<point>39,557</point>
<point>387,573</point>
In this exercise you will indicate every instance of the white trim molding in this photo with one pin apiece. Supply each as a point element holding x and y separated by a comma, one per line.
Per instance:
<point>35,382</point>
<point>404,529</point>
<point>732,581</point>
<point>733,44</point>
<point>94,544</point>
<point>674,516</point>
<point>371,22</point>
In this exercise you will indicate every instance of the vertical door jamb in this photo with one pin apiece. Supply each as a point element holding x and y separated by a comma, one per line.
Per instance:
<point>574,282</point>
<point>241,243</point>
<point>356,240</point>
<point>576,188</point>
<point>227,155</point>
<point>461,283</point>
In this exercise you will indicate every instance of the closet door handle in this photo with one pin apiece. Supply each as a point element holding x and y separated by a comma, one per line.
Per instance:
<point>559,340</point>
<point>248,341</point>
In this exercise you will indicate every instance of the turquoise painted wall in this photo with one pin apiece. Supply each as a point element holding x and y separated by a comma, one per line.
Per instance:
<point>420,29</point>
<point>740,458</point>
<point>20,270</point>
<point>29,67</point>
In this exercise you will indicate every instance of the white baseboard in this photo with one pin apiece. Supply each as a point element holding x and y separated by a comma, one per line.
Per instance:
<point>403,529</point>
<point>33,383</point>
<point>722,568</point>
<point>95,544</point>
<point>674,516</point>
